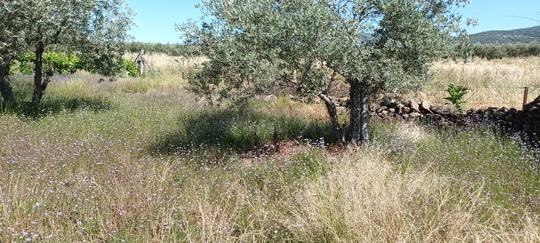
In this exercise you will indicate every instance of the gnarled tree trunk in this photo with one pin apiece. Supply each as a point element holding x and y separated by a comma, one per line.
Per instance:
<point>40,84</point>
<point>332,113</point>
<point>359,116</point>
<point>5,87</point>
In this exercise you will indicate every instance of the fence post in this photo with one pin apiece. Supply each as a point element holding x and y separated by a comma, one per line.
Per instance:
<point>525,97</point>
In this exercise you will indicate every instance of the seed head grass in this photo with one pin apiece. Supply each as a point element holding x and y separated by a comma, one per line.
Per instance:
<point>143,159</point>
<point>494,83</point>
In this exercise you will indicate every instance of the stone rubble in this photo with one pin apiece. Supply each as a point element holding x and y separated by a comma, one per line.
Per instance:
<point>510,120</point>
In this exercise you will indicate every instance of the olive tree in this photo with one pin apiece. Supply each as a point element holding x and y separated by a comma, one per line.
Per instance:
<point>375,45</point>
<point>14,20</point>
<point>96,28</point>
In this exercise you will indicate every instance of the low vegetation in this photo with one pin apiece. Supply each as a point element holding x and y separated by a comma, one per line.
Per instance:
<point>456,95</point>
<point>249,138</point>
<point>141,159</point>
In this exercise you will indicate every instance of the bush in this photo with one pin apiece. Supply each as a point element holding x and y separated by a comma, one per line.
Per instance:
<point>57,61</point>
<point>63,63</point>
<point>130,68</point>
<point>456,95</point>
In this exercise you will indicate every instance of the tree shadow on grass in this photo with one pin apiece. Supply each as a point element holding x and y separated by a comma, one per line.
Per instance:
<point>237,130</point>
<point>50,104</point>
<point>54,105</point>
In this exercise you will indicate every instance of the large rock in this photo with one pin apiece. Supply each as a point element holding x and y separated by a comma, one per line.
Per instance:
<point>389,102</point>
<point>511,120</point>
<point>445,110</point>
<point>374,107</point>
<point>414,105</point>
<point>425,107</point>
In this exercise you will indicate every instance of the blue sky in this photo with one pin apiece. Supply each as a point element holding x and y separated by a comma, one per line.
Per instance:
<point>155,19</point>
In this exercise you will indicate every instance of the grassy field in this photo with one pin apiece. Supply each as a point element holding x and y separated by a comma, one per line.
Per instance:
<point>143,160</point>
<point>495,83</point>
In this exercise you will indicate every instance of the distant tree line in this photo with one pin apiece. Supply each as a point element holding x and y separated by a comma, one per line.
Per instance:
<point>498,51</point>
<point>487,51</point>
<point>169,49</point>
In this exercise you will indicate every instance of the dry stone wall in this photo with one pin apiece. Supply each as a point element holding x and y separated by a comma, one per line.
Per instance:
<point>510,120</point>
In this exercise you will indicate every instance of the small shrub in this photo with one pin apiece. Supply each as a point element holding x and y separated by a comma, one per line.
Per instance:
<point>457,95</point>
<point>130,68</point>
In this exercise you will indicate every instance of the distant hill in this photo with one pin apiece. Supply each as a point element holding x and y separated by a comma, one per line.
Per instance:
<point>526,35</point>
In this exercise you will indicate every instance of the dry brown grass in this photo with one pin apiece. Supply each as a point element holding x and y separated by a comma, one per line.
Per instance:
<point>284,106</point>
<point>497,83</point>
<point>163,63</point>
<point>364,200</point>
<point>493,83</point>
<point>410,133</point>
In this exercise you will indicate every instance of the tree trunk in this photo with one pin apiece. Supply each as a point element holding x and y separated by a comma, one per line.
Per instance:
<point>332,112</point>
<point>38,74</point>
<point>5,87</point>
<point>358,130</point>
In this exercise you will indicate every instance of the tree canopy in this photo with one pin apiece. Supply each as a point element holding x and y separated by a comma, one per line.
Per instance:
<point>14,20</point>
<point>375,45</point>
<point>96,29</point>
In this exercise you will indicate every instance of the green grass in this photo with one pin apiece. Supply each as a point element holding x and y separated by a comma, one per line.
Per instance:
<point>113,163</point>
<point>237,130</point>
<point>507,170</point>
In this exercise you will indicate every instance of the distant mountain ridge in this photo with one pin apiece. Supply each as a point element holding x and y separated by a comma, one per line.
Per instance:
<point>525,35</point>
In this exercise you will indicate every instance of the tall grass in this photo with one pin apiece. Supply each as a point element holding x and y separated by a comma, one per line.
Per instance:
<point>157,165</point>
<point>508,171</point>
<point>495,83</point>
<point>363,199</point>
<point>164,64</point>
